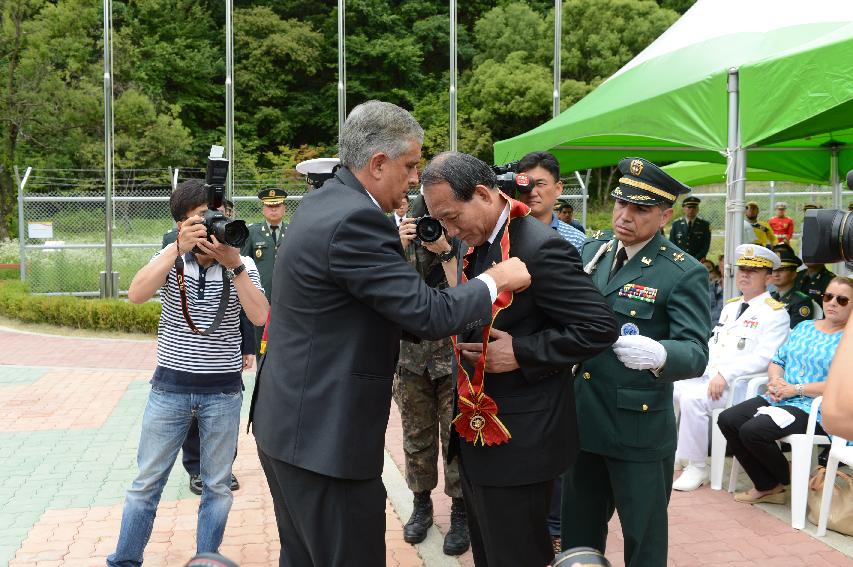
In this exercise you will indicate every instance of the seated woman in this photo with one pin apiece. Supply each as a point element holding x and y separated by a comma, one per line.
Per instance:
<point>797,374</point>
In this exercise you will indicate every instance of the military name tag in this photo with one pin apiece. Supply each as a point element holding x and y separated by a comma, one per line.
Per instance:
<point>639,292</point>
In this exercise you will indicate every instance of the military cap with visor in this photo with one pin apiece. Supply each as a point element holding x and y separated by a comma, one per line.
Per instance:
<point>644,183</point>
<point>787,256</point>
<point>691,201</point>
<point>755,256</point>
<point>318,170</point>
<point>272,196</point>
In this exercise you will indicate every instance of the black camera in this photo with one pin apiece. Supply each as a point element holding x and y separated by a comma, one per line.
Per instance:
<point>231,232</point>
<point>510,181</point>
<point>427,229</point>
<point>828,234</point>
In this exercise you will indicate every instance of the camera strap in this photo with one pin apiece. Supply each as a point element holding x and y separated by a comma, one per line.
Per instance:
<point>223,300</point>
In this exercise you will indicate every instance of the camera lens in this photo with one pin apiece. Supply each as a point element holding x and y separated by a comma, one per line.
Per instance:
<point>827,236</point>
<point>427,229</point>
<point>234,233</point>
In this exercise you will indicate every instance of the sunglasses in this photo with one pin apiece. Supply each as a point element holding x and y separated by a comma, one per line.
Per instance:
<point>840,299</point>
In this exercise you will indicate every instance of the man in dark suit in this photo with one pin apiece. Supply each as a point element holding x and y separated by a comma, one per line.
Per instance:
<point>343,292</point>
<point>515,431</point>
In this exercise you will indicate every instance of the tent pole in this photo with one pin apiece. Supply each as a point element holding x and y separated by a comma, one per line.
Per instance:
<point>835,180</point>
<point>772,209</point>
<point>735,185</point>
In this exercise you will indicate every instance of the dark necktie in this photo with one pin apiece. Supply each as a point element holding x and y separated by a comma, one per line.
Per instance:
<point>689,226</point>
<point>621,258</point>
<point>274,230</point>
<point>743,307</point>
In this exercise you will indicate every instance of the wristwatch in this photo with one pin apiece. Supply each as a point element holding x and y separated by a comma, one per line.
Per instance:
<point>232,273</point>
<point>447,256</point>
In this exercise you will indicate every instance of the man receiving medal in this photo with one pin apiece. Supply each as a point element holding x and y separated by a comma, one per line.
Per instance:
<point>514,428</point>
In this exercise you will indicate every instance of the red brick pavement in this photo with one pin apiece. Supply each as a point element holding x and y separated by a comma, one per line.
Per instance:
<point>707,528</point>
<point>31,349</point>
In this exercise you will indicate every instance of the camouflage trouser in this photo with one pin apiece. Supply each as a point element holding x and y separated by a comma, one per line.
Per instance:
<point>426,409</point>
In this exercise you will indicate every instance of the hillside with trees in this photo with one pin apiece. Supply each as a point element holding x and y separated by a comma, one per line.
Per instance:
<point>169,69</point>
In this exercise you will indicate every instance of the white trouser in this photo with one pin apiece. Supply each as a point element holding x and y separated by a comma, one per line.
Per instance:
<point>696,407</point>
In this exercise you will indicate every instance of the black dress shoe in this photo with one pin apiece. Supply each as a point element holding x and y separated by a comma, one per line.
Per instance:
<point>195,484</point>
<point>415,530</point>
<point>457,540</point>
<point>235,485</point>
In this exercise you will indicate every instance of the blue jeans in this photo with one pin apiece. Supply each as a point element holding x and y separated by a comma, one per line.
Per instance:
<point>164,427</point>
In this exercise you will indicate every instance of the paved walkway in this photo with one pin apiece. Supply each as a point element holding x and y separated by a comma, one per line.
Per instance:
<point>70,412</point>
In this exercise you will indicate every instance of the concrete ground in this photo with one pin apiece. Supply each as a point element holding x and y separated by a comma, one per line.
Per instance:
<point>70,410</point>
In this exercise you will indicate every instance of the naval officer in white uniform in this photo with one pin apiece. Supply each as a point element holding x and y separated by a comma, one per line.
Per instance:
<point>750,329</point>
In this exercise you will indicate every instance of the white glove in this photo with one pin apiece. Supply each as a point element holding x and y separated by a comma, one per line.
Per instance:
<point>639,352</point>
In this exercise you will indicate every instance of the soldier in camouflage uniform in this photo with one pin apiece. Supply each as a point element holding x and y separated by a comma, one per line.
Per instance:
<point>423,390</point>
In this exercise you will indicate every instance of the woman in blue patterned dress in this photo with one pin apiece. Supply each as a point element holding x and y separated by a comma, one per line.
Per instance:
<point>797,374</point>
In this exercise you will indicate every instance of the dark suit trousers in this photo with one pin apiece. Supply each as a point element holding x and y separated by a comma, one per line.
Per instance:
<point>508,524</point>
<point>325,521</point>
<point>596,485</point>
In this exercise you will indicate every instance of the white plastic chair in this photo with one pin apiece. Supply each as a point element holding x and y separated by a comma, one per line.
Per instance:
<point>802,457</point>
<point>839,452</point>
<point>718,442</point>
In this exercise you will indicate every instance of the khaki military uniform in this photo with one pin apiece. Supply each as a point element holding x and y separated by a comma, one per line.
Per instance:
<point>423,391</point>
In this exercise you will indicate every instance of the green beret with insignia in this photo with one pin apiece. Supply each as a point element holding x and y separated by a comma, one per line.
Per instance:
<point>644,183</point>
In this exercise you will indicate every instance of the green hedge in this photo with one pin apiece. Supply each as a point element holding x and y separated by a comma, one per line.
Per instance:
<point>95,314</point>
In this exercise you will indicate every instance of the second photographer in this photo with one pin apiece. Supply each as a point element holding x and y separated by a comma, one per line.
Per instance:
<point>203,284</point>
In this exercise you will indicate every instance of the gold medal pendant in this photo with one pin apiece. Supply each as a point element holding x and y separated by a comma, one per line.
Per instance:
<point>259,253</point>
<point>477,422</point>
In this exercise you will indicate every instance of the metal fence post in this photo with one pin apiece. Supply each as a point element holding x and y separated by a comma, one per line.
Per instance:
<point>22,251</point>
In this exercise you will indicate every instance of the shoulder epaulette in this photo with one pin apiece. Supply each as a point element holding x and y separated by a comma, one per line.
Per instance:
<point>732,300</point>
<point>775,304</point>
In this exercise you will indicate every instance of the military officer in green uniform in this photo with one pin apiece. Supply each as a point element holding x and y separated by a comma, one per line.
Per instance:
<point>799,305</point>
<point>813,281</point>
<point>624,395</point>
<point>691,233</point>
<point>262,244</point>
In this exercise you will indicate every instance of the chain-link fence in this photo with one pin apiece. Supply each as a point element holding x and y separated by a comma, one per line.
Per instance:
<point>63,220</point>
<point>767,196</point>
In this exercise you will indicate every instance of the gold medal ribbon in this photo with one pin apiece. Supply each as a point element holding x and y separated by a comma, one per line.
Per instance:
<point>477,421</point>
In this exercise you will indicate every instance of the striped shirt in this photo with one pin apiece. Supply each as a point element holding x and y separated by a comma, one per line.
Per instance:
<point>575,237</point>
<point>806,357</point>
<point>191,363</point>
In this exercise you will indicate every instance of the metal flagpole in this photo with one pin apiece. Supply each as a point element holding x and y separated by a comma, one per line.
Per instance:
<point>558,32</point>
<point>735,185</point>
<point>229,97</point>
<point>107,277</point>
<point>453,133</point>
<point>342,67</point>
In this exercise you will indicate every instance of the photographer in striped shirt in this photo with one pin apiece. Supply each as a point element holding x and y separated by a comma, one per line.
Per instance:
<point>197,375</point>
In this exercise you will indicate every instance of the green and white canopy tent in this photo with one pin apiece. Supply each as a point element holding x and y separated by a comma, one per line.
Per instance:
<point>764,82</point>
<point>695,173</point>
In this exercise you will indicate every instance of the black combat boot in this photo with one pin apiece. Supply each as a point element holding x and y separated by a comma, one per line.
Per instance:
<point>457,540</point>
<point>415,530</point>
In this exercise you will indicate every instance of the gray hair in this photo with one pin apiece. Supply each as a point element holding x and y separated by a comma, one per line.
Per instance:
<point>463,172</point>
<point>377,127</point>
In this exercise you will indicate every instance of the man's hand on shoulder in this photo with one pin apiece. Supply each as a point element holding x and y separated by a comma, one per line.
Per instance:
<point>510,275</point>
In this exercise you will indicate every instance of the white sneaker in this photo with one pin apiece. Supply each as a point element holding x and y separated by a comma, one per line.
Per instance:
<point>692,478</point>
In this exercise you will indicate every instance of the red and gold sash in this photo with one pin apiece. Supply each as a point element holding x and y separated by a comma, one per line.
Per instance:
<point>478,420</point>
<point>265,335</point>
